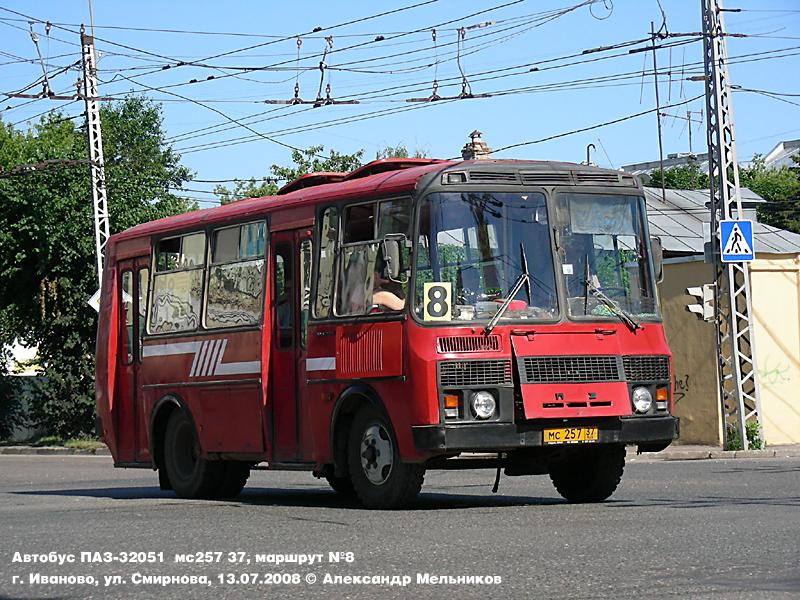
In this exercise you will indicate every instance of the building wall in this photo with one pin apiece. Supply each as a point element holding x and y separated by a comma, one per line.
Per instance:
<point>691,341</point>
<point>775,283</point>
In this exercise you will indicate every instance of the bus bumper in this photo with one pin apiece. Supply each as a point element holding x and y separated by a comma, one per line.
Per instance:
<point>651,433</point>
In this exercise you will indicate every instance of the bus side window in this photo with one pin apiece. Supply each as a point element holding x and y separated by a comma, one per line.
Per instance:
<point>306,252</point>
<point>178,284</point>
<point>127,307</point>
<point>236,276</point>
<point>283,294</point>
<point>329,225</point>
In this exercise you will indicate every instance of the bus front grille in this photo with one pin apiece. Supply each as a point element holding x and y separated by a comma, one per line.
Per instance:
<point>569,369</point>
<point>646,368</point>
<point>464,373</point>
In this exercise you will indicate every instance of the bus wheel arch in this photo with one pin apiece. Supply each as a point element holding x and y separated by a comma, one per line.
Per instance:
<point>159,417</point>
<point>349,402</point>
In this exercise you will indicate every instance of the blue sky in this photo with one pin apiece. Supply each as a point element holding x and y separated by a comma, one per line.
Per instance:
<point>518,35</point>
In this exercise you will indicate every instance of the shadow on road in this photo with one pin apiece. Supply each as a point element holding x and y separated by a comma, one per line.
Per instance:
<point>710,502</point>
<point>320,498</point>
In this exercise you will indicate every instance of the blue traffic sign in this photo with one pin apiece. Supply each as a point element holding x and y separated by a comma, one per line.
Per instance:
<point>736,241</point>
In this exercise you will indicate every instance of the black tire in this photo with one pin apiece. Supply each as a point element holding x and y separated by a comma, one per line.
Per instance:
<point>342,485</point>
<point>379,478</point>
<point>234,477</point>
<point>190,475</point>
<point>590,474</point>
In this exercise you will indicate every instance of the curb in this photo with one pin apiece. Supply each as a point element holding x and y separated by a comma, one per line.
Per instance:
<point>53,451</point>
<point>679,453</point>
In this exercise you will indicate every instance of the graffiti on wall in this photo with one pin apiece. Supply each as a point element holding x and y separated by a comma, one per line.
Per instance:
<point>772,372</point>
<point>680,387</point>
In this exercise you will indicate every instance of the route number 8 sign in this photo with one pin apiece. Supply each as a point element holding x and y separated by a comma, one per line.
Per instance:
<point>437,303</point>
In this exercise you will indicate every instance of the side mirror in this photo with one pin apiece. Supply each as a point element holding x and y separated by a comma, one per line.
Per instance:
<point>393,257</point>
<point>657,253</point>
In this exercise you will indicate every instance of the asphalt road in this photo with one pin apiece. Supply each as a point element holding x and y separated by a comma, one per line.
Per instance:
<point>679,529</point>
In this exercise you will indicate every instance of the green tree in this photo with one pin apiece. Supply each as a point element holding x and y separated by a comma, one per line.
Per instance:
<point>780,187</point>
<point>305,161</point>
<point>246,188</point>
<point>683,177</point>
<point>400,151</point>
<point>47,241</point>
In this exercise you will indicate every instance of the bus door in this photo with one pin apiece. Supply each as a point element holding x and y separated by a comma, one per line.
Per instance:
<point>134,277</point>
<point>291,272</point>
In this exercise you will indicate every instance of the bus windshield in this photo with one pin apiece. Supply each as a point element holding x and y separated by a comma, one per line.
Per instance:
<point>603,246</point>
<point>471,249</point>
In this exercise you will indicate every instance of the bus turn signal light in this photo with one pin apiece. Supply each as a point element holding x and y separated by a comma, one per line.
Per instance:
<point>451,406</point>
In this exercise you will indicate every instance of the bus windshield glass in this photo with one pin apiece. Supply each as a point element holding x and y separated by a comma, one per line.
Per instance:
<point>604,246</point>
<point>472,247</point>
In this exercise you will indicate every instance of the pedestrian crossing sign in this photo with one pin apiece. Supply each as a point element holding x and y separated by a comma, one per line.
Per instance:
<point>736,240</point>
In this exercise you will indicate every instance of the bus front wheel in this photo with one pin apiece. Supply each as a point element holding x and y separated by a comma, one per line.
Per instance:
<point>589,474</point>
<point>380,479</point>
<point>190,475</point>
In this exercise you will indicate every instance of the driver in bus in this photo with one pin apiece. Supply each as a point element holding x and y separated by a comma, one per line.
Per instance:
<point>386,294</point>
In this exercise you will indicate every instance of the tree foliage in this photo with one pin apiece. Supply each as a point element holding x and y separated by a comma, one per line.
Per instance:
<point>780,187</point>
<point>400,151</point>
<point>683,177</point>
<point>305,161</point>
<point>47,262</point>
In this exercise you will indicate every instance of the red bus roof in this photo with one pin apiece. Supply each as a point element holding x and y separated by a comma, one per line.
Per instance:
<point>387,179</point>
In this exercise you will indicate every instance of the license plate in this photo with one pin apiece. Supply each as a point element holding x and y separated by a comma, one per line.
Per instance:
<point>570,435</point>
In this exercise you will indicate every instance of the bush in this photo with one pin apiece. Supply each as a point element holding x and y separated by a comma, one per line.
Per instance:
<point>754,441</point>
<point>62,404</point>
<point>12,413</point>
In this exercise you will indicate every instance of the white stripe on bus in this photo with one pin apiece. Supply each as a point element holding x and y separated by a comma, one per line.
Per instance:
<point>327,363</point>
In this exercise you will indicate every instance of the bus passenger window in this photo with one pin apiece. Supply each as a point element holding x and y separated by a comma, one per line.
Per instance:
<point>127,307</point>
<point>328,234</point>
<point>178,284</point>
<point>359,223</point>
<point>236,276</point>
<point>283,295</point>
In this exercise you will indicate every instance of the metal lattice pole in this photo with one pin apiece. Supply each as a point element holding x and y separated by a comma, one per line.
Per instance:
<point>95,142</point>
<point>737,370</point>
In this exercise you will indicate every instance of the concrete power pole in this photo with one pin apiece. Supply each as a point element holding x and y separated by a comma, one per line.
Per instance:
<point>95,143</point>
<point>737,369</point>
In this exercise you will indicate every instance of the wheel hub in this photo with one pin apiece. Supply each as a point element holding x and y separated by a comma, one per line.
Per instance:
<point>377,455</point>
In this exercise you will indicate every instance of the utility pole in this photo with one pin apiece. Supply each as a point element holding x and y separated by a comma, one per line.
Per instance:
<point>94,140</point>
<point>737,369</point>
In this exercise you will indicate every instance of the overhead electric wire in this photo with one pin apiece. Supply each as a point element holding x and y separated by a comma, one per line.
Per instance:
<point>335,50</point>
<point>222,114</point>
<point>478,76</point>
<point>596,126</point>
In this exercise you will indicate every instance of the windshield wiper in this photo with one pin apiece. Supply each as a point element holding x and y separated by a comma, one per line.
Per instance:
<point>523,277</point>
<point>613,306</point>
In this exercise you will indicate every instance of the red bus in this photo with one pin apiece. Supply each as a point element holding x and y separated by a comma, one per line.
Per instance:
<point>413,314</point>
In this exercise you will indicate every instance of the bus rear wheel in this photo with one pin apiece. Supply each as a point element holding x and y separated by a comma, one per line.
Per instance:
<point>234,477</point>
<point>190,475</point>
<point>380,479</point>
<point>589,474</point>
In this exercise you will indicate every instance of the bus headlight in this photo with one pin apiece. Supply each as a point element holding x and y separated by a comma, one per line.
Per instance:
<point>642,399</point>
<point>483,405</point>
